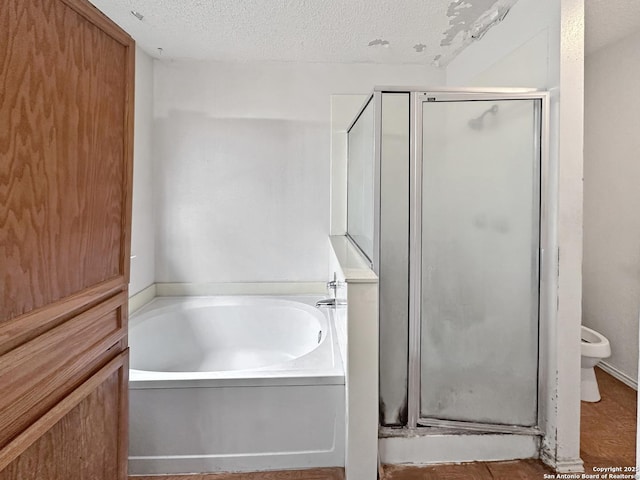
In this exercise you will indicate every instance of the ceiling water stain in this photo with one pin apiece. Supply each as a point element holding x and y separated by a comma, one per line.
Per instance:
<point>469,20</point>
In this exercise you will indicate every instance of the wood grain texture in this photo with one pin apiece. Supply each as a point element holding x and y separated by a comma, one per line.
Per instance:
<point>20,330</point>
<point>66,150</point>
<point>97,18</point>
<point>64,154</point>
<point>309,474</point>
<point>38,374</point>
<point>79,438</point>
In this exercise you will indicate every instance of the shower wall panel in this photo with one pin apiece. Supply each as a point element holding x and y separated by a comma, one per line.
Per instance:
<point>393,256</point>
<point>360,180</point>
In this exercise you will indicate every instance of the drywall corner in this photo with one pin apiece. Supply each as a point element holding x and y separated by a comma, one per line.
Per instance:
<point>142,225</point>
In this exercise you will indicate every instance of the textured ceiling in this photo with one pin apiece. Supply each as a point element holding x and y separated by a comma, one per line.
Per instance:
<point>343,31</point>
<point>608,21</point>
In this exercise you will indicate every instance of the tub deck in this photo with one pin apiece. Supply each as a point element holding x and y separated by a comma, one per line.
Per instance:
<point>289,415</point>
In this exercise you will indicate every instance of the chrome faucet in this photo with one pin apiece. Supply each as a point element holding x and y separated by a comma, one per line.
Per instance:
<point>331,302</point>
<point>332,286</point>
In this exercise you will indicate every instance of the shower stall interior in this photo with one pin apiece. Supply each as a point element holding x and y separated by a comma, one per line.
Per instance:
<point>446,198</point>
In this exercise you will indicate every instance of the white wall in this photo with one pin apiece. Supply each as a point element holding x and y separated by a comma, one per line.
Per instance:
<point>541,45</point>
<point>611,198</point>
<point>522,51</point>
<point>241,172</point>
<point>142,229</point>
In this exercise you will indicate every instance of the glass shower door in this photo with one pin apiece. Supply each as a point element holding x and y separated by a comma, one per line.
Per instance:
<point>478,230</point>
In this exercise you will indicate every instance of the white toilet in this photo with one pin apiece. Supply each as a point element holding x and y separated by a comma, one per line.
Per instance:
<point>594,347</point>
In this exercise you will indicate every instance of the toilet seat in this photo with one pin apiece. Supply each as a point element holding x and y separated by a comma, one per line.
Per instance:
<point>594,344</point>
<point>593,348</point>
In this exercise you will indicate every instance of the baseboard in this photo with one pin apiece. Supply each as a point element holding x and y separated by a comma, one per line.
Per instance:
<point>561,466</point>
<point>140,299</point>
<point>249,288</point>
<point>615,373</point>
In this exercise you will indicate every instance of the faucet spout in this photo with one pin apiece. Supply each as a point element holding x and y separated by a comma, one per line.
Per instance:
<point>331,302</point>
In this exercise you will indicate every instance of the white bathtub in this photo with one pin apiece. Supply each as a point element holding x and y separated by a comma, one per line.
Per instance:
<point>234,384</point>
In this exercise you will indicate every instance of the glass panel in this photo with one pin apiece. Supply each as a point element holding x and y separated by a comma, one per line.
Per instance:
<point>480,231</point>
<point>393,267</point>
<point>360,175</point>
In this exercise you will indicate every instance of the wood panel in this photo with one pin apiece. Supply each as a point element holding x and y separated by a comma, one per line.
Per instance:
<point>37,375</point>
<point>20,330</point>
<point>83,437</point>
<point>66,157</point>
<point>65,151</point>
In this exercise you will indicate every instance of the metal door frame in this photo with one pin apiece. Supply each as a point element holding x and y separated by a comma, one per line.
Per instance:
<point>415,236</point>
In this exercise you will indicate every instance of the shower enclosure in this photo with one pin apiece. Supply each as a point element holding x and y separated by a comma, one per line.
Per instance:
<point>446,199</point>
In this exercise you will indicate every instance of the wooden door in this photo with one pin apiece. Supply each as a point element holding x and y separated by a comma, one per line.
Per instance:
<point>66,120</point>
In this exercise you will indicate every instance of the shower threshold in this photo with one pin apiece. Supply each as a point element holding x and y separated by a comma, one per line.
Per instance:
<point>442,427</point>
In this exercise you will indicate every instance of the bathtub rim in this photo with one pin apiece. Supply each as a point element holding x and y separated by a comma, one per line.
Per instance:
<point>275,375</point>
<point>300,314</point>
